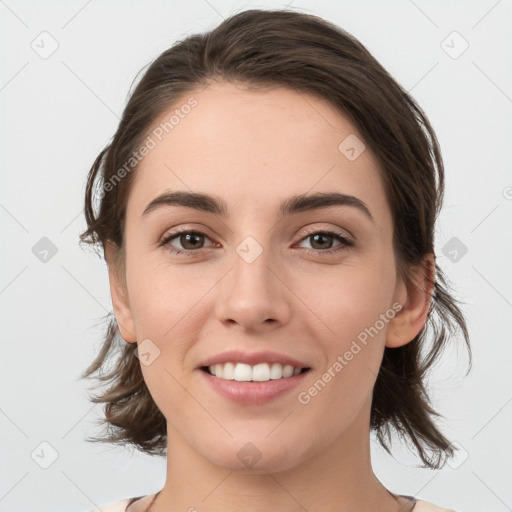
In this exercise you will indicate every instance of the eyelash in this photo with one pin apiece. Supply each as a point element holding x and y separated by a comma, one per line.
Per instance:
<point>346,243</point>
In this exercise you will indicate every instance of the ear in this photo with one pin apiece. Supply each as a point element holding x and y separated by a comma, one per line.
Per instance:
<point>415,298</point>
<point>119,293</point>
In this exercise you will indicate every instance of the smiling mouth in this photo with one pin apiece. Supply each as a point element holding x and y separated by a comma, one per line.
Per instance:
<point>262,372</point>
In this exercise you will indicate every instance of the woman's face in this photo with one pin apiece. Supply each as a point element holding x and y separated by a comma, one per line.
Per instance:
<point>252,280</point>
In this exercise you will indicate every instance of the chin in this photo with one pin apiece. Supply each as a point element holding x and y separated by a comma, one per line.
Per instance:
<point>259,456</point>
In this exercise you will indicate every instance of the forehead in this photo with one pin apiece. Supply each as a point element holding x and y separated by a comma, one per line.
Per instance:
<point>255,148</point>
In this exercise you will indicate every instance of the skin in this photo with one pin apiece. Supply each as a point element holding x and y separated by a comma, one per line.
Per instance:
<point>254,149</point>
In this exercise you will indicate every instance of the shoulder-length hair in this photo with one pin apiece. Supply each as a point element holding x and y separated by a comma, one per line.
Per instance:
<point>309,55</point>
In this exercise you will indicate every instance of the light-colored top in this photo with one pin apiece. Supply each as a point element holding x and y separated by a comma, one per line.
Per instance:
<point>122,505</point>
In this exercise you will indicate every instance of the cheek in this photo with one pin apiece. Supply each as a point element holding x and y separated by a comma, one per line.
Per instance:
<point>163,297</point>
<point>340,301</point>
<point>348,300</point>
<point>166,307</point>
<point>354,307</point>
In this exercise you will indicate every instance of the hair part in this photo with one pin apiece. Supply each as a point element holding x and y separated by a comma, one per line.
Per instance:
<point>321,59</point>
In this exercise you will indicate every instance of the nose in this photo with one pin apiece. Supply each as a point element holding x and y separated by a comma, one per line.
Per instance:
<point>254,294</point>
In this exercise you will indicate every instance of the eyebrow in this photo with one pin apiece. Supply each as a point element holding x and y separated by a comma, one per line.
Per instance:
<point>294,204</point>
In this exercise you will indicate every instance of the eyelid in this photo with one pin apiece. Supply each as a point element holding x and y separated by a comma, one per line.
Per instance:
<point>184,228</point>
<point>333,232</point>
<point>332,229</point>
<point>312,229</point>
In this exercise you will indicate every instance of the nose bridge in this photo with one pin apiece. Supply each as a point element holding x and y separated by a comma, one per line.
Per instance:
<point>252,293</point>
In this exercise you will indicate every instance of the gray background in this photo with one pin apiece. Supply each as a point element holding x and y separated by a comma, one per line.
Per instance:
<point>59,110</point>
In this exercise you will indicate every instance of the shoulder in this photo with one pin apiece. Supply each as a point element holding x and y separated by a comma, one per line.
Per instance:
<point>426,506</point>
<point>117,506</point>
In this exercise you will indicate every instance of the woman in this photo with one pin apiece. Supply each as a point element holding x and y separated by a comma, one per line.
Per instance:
<point>267,210</point>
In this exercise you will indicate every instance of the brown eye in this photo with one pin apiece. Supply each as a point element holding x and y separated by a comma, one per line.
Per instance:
<point>319,241</point>
<point>190,241</point>
<point>322,241</point>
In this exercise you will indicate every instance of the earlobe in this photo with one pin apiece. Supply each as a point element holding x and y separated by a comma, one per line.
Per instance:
<point>409,321</point>
<point>119,294</point>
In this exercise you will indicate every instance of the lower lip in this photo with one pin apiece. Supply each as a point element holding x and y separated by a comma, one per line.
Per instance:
<point>253,393</point>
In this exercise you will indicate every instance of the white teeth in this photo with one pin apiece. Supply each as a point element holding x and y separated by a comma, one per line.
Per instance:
<point>228,372</point>
<point>260,372</point>
<point>276,371</point>
<point>243,372</point>
<point>218,369</point>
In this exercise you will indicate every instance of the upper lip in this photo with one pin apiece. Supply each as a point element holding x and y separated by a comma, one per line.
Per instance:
<point>252,358</point>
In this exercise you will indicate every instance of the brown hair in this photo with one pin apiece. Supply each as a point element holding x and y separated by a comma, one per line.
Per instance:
<point>310,55</point>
